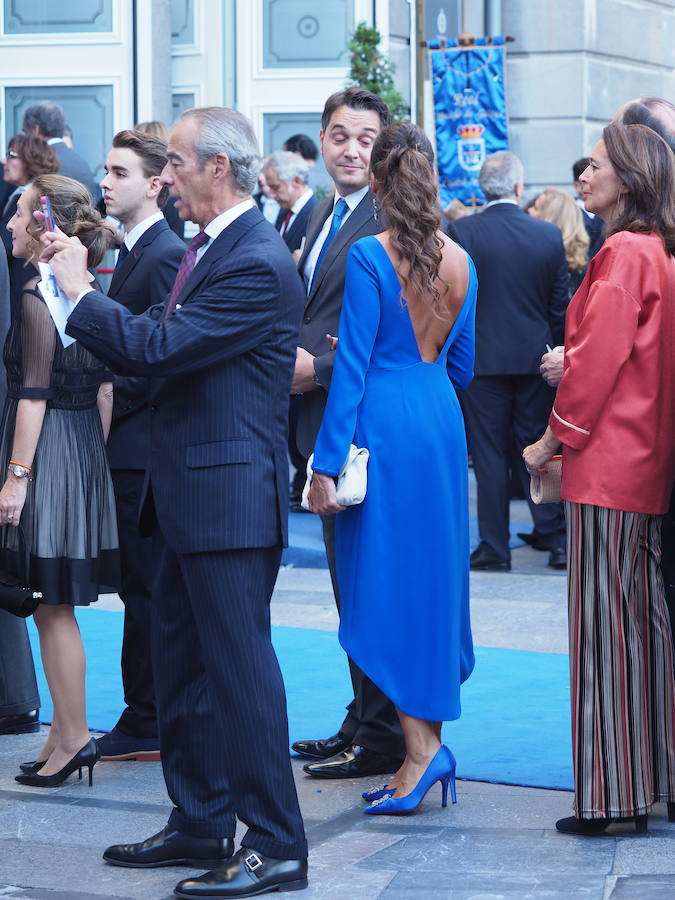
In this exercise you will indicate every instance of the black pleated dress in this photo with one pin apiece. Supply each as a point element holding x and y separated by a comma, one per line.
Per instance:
<point>68,520</point>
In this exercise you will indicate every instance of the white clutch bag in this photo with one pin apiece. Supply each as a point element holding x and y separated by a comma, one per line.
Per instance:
<point>545,487</point>
<point>352,478</point>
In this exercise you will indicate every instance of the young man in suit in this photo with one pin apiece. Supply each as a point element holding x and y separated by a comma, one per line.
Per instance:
<point>522,298</point>
<point>217,498</point>
<point>370,740</point>
<point>45,120</point>
<point>286,175</point>
<point>145,272</point>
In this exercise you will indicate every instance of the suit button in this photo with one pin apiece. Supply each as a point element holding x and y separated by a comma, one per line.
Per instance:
<point>93,327</point>
<point>308,319</point>
<point>153,409</point>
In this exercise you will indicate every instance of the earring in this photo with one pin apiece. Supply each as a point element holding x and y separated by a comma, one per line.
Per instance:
<point>376,208</point>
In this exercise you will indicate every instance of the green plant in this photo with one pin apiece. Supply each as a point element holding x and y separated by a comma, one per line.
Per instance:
<point>371,70</point>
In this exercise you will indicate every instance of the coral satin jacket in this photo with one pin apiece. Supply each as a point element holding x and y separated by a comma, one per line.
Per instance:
<point>613,410</point>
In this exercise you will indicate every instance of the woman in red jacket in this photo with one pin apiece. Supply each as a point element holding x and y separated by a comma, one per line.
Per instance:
<point>613,415</point>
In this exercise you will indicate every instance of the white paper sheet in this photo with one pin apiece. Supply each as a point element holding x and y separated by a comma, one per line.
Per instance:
<point>59,305</point>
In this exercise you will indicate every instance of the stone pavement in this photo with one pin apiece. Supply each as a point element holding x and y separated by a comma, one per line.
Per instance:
<point>497,843</point>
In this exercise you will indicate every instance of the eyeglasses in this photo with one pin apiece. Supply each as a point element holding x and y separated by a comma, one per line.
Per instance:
<point>12,154</point>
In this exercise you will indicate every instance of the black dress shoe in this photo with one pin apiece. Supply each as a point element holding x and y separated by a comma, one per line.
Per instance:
<point>354,762</point>
<point>23,723</point>
<point>557,559</point>
<point>594,827</point>
<point>336,743</point>
<point>532,539</point>
<point>248,873</point>
<point>484,560</point>
<point>171,848</point>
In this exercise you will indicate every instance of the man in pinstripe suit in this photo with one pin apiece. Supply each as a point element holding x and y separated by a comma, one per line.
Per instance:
<point>224,345</point>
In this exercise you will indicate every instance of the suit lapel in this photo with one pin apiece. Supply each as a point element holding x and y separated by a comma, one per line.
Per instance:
<point>122,272</point>
<point>219,248</point>
<point>362,214</point>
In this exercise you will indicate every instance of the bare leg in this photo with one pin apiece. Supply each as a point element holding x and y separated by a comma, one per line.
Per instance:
<point>51,742</point>
<point>422,741</point>
<point>64,664</point>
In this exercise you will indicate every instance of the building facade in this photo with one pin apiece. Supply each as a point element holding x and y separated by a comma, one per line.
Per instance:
<point>111,63</point>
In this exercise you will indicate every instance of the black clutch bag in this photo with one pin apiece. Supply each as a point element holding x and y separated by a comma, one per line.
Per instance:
<point>15,597</point>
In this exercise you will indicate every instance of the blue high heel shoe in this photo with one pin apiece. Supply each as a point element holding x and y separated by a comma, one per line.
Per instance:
<point>441,768</point>
<point>376,793</point>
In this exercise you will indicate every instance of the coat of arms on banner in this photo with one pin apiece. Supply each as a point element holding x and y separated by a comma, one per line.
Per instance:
<point>471,147</point>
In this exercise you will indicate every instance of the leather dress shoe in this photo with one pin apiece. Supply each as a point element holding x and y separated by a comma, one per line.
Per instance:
<point>533,539</point>
<point>248,873</point>
<point>557,558</point>
<point>171,848</point>
<point>23,723</point>
<point>336,743</point>
<point>354,762</point>
<point>484,560</point>
<point>116,746</point>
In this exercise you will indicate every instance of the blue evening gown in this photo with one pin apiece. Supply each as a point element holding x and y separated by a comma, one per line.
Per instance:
<point>403,554</point>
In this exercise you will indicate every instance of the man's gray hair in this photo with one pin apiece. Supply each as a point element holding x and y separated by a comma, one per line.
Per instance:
<point>47,116</point>
<point>223,130</point>
<point>499,175</point>
<point>287,166</point>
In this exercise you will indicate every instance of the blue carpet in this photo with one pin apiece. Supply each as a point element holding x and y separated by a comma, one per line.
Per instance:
<point>514,727</point>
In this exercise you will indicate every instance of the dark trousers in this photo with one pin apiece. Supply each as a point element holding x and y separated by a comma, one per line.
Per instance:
<point>500,411</point>
<point>220,698</point>
<point>18,688</point>
<point>139,718</point>
<point>371,720</point>
<point>298,460</point>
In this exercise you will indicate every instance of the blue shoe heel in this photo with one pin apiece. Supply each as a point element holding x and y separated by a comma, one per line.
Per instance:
<point>441,768</point>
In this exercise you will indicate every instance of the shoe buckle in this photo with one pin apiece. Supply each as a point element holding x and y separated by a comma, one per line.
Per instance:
<point>253,863</point>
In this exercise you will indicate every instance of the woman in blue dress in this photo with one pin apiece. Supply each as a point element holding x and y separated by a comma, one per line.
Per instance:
<point>406,343</point>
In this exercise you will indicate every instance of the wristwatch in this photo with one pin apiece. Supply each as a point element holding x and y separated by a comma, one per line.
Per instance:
<point>19,471</point>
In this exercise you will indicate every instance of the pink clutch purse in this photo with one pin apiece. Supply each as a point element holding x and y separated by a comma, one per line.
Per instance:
<point>545,487</point>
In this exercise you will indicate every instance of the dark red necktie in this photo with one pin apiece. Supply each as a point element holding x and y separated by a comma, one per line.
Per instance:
<point>287,219</point>
<point>187,264</point>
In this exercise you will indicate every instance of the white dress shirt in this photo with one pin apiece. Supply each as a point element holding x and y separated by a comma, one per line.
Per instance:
<point>220,223</point>
<point>352,201</point>
<point>139,230</point>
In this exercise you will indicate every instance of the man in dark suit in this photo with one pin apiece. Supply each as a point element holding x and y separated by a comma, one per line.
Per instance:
<point>145,272</point>
<point>522,297</point>
<point>223,344</point>
<point>45,120</point>
<point>370,740</point>
<point>286,175</point>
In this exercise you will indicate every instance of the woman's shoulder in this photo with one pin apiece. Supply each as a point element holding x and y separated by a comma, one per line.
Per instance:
<point>626,255</point>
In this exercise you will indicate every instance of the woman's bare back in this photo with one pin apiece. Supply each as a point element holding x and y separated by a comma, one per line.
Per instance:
<point>432,326</point>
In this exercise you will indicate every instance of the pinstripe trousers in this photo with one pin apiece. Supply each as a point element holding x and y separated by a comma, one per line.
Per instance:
<point>621,663</point>
<point>221,703</point>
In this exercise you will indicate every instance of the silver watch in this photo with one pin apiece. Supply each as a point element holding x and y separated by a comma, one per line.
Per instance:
<point>19,471</point>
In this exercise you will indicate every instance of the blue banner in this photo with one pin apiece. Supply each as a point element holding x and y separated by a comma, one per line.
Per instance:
<point>469,113</point>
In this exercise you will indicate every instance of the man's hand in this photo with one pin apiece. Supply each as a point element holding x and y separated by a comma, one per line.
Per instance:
<point>303,377</point>
<point>551,367</point>
<point>68,258</point>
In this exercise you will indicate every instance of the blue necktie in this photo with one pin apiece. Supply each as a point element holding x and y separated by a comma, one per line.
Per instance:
<point>122,255</point>
<point>338,215</point>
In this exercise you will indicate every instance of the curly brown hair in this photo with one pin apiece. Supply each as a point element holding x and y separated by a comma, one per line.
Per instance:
<point>646,165</point>
<point>402,163</point>
<point>37,156</point>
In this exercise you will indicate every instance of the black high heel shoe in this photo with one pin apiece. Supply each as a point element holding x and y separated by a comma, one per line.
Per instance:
<point>30,768</point>
<point>593,827</point>
<point>88,756</point>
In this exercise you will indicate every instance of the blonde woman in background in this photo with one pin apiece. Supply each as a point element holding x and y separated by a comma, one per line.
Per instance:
<point>559,208</point>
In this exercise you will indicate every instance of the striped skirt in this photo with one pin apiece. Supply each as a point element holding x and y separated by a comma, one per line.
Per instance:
<point>621,663</point>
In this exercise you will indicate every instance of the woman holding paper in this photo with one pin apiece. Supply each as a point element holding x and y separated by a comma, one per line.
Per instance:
<point>58,487</point>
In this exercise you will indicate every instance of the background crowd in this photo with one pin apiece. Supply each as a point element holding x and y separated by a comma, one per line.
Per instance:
<point>352,311</point>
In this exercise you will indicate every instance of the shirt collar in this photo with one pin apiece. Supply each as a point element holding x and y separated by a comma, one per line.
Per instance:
<point>139,230</point>
<point>352,200</point>
<point>503,200</point>
<point>300,202</point>
<point>220,223</point>
<point>55,140</point>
